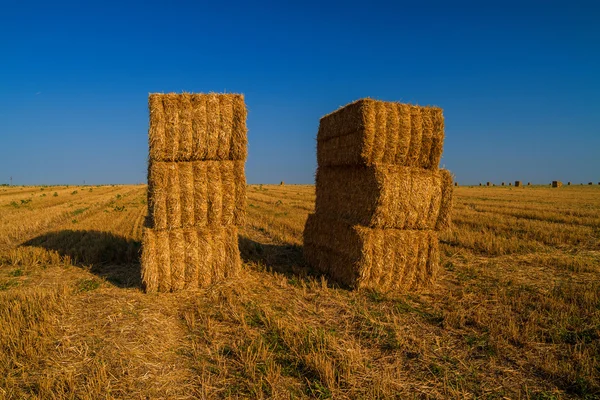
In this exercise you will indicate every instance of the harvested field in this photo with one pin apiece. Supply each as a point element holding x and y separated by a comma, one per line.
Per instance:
<point>513,313</point>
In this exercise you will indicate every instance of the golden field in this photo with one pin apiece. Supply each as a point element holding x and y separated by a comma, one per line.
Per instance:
<point>515,312</point>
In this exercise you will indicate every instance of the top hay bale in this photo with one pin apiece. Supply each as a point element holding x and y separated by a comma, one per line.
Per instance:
<point>197,127</point>
<point>368,132</point>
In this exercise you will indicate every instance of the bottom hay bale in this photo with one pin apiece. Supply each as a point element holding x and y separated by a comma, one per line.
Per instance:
<point>188,258</point>
<point>366,258</point>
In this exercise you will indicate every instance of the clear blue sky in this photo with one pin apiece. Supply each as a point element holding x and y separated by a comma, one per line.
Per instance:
<point>519,83</point>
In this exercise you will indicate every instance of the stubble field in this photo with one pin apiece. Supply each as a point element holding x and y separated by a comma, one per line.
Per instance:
<point>515,312</point>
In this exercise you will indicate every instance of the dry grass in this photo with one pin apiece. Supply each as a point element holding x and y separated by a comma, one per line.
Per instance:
<point>515,312</point>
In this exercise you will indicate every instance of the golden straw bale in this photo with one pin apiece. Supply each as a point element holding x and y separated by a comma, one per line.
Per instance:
<point>189,258</point>
<point>382,196</point>
<point>367,132</point>
<point>177,258</point>
<point>556,184</point>
<point>196,127</point>
<point>148,260</point>
<point>381,259</point>
<point>518,184</point>
<point>444,217</point>
<point>199,193</point>
<point>186,180</point>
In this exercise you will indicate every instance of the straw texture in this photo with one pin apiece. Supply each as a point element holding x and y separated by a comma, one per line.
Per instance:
<point>383,195</point>
<point>199,193</point>
<point>368,132</point>
<point>189,258</point>
<point>382,259</point>
<point>196,190</point>
<point>194,127</point>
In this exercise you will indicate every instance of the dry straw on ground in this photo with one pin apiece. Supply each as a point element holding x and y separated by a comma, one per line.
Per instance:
<point>556,184</point>
<point>188,258</point>
<point>382,259</point>
<point>187,127</point>
<point>383,196</point>
<point>198,193</point>
<point>367,132</point>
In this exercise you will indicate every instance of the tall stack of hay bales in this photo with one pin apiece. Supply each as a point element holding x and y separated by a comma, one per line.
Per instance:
<point>196,190</point>
<point>381,198</point>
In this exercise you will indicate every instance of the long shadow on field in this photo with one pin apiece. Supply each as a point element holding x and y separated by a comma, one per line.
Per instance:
<point>286,259</point>
<point>113,257</point>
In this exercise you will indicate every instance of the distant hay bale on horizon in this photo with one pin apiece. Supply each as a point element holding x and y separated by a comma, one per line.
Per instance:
<point>568,183</point>
<point>368,132</point>
<point>196,190</point>
<point>488,184</point>
<point>282,183</point>
<point>502,183</point>
<point>518,184</point>
<point>556,184</point>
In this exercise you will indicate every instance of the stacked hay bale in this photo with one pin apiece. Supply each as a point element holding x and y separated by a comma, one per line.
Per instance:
<point>381,198</point>
<point>556,184</point>
<point>518,184</point>
<point>196,190</point>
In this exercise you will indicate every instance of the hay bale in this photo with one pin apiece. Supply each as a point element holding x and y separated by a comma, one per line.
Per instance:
<point>362,258</point>
<point>568,183</point>
<point>488,184</point>
<point>368,132</point>
<point>382,196</point>
<point>518,184</point>
<point>528,183</point>
<point>502,183</point>
<point>455,184</point>
<point>199,193</point>
<point>590,183</point>
<point>197,127</point>
<point>281,183</point>
<point>556,184</point>
<point>188,258</point>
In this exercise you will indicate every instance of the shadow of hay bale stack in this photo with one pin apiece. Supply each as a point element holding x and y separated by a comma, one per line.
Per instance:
<point>380,197</point>
<point>196,190</point>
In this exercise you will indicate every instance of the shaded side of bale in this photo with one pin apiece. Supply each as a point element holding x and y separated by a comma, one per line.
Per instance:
<point>556,184</point>
<point>163,257</point>
<point>437,144</point>
<point>444,220</point>
<point>149,261</point>
<point>518,184</point>
<point>195,127</point>
<point>488,184</point>
<point>383,196</point>
<point>157,195</point>
<point>381,259</point>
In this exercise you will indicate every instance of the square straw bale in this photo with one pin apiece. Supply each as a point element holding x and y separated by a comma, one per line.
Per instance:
<point>188,258</point>
<point>197,127</point>
<point>367,132</point>
<point>381,259</point>
<point>187,194</point>
<point>385,196</point>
